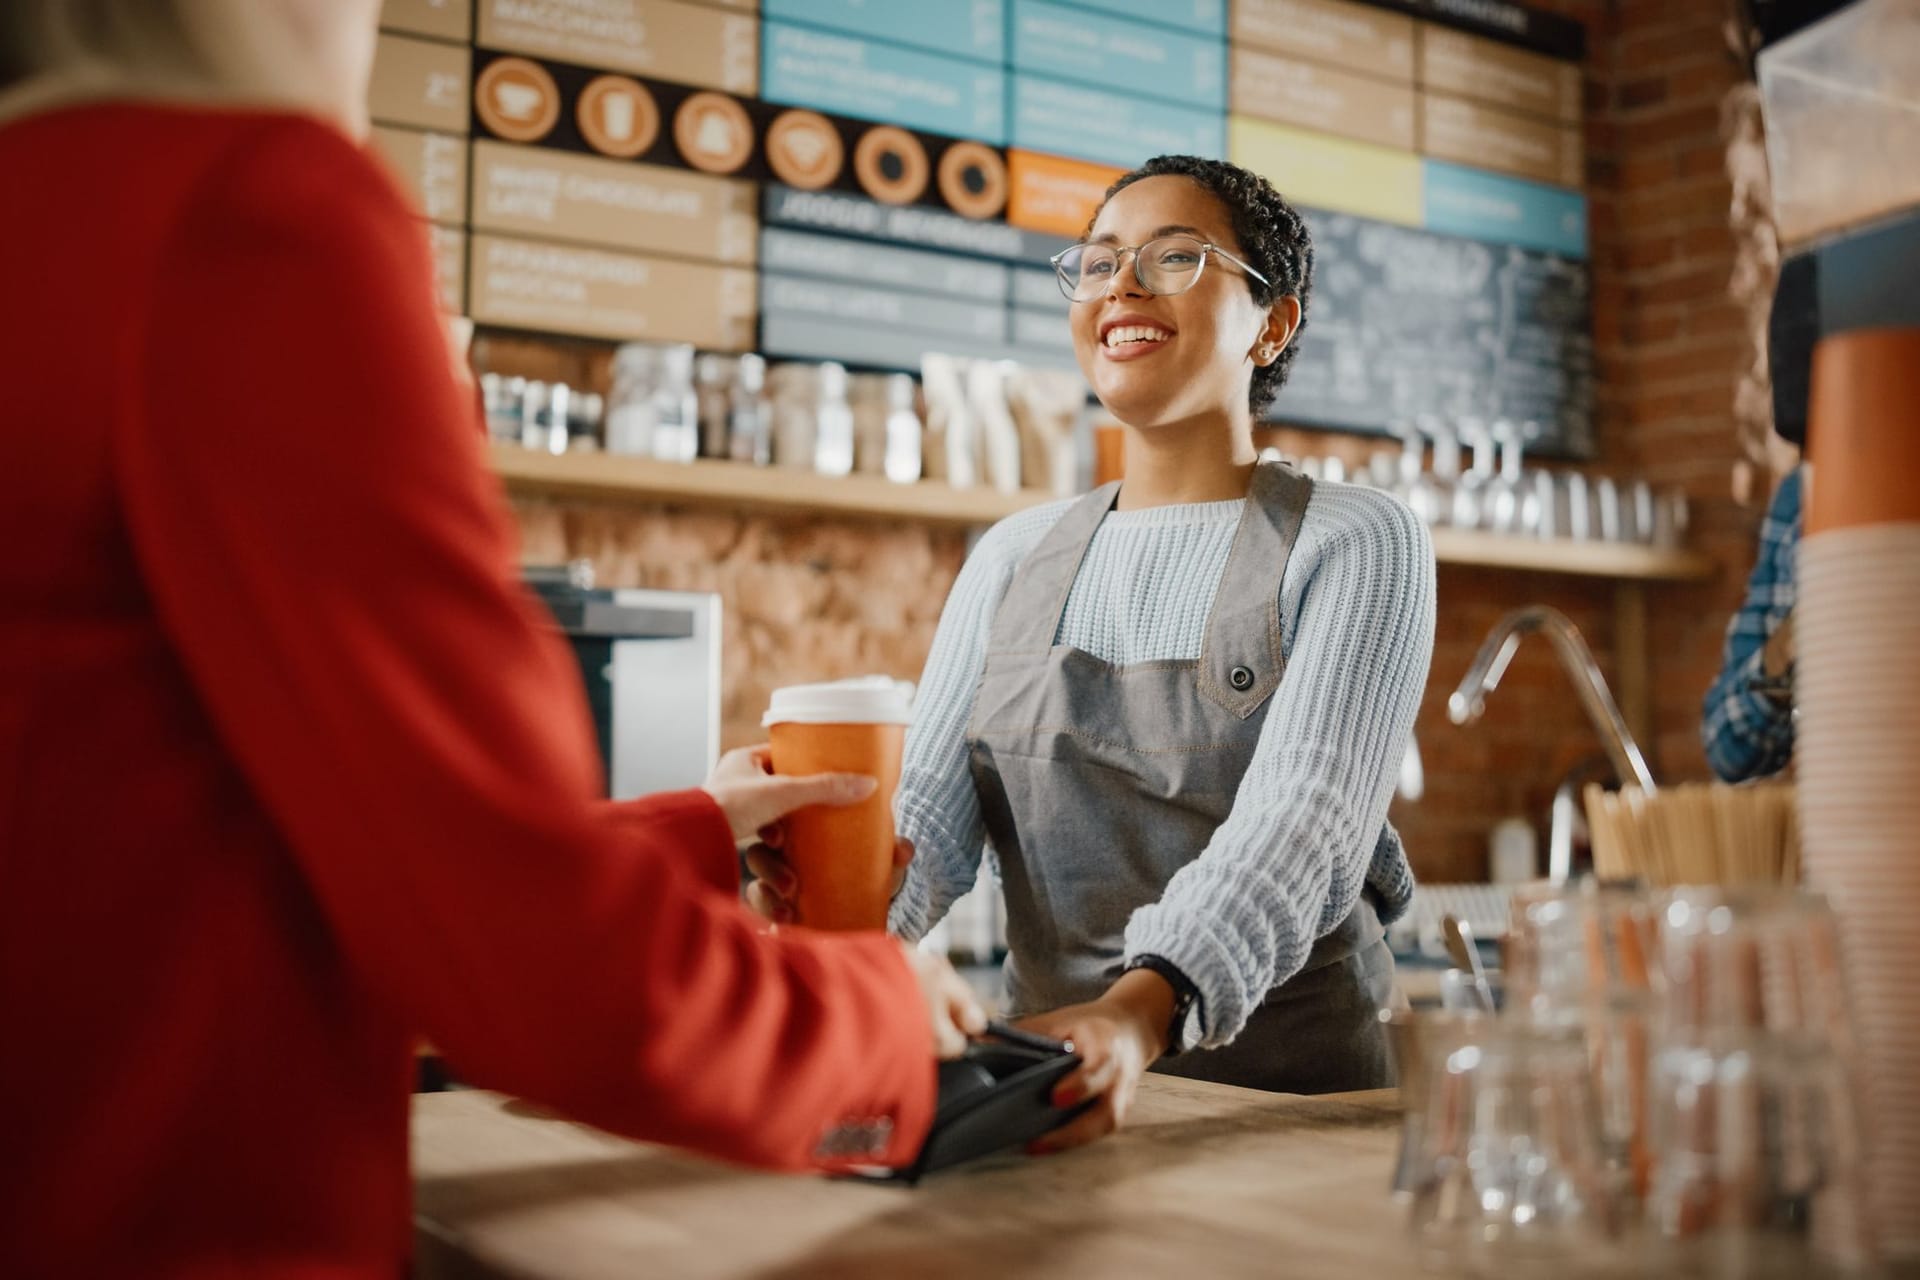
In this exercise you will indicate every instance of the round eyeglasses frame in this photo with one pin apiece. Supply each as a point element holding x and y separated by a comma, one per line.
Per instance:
<point>1207,249</point>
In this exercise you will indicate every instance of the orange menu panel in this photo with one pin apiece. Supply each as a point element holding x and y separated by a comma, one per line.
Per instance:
<point>1055,195</point>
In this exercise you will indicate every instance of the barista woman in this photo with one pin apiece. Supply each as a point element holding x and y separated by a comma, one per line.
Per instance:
<point>1175,708</point>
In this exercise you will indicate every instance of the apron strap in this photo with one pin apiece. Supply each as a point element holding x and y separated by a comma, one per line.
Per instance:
<point>1029,616</point>
<point>1241,660</point>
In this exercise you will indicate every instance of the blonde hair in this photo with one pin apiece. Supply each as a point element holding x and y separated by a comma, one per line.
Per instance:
<point>310,55</point>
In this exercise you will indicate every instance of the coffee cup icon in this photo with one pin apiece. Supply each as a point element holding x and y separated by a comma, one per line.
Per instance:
<point>616,116</point>
<point>517,101</point>
<point>714,133</point>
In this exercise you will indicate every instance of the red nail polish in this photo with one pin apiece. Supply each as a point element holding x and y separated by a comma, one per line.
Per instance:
<point>1067,1096</point>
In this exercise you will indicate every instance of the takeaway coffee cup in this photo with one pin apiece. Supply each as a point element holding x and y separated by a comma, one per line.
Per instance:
<point>842,855</point>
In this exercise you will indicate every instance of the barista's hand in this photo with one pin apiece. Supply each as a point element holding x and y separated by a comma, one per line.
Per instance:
<point>1117,1037</point>
<point>744,786</point>
<point>951,1005</point>
<point>774,883</point>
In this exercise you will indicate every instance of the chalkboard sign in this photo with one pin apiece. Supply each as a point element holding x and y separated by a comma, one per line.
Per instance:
<point>1404,323</point>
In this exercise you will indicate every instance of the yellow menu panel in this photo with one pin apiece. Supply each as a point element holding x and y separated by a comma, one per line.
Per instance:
<point>1329,173</point>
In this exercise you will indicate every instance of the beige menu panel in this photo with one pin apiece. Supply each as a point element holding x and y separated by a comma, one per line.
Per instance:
<point>431,166</point>
<point>687,43</point>
<point>1489,71</point>
<point>421,83</point>
<point>596,293</point>
<point>440,19</point>
<point>450,267</point>
<point>1345,34</point>
<point>1294,91</point>
<point>554,195</point>
<point>1489,138</point>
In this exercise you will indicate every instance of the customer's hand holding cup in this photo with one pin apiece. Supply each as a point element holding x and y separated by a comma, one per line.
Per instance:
<point>834,867</point>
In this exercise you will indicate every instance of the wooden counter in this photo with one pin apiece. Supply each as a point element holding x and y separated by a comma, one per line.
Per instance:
<point>1206,1181</point>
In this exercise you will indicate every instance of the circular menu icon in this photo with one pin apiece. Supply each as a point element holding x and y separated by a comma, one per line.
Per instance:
<point>973,180</point>
<point>517,99</point>
<point>891,165</point>
<point>805,150</point>
<point>617,116</point>
<point>713,132</point>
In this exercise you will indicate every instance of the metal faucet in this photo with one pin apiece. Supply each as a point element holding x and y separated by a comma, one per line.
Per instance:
<point>1470,699</point>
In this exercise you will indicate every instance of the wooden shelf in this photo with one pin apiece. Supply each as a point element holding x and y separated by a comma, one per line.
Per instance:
<point>789,491</point>
<point>1616,560</point>
<point>734,484</point>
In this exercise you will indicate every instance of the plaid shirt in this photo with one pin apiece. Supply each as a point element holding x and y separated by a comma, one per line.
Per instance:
<point>1747,733</point>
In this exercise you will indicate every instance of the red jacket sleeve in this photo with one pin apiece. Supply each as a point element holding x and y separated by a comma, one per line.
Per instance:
<point>311,510</point>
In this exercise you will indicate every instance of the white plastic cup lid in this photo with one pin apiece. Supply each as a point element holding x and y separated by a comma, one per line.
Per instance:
<point>865,700</point>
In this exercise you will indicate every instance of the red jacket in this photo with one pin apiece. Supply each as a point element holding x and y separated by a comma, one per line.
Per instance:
<point>290,769</point>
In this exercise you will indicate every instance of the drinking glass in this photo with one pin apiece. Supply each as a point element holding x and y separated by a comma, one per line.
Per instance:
<point>1756,1143</point>
<point>1515,1182</point>
<point>1585,957</point>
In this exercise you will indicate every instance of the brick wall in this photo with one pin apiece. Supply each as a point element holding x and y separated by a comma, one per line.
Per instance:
<point>814,599</point>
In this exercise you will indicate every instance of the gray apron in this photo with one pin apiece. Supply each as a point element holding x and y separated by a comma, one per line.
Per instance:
<point>1099,782</point>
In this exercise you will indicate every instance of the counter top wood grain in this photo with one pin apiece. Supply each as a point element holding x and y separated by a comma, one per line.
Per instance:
<point>1206,1181</point>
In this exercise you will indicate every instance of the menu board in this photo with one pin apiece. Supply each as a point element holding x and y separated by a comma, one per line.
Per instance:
<point>437,19</point>
<point>596,293</point>
<point>1334,31</point>
<point>1059,40</point>
<point>421,83</point>
<point>1313,168</point>
<point>1269,86</point>
<point>1404,322</point>
<point>554,195</point>
<point>1500,74</point>
<point>869,80</point>
<point>975,29</point>
<point>1055,195</point>
<point>431,166</point>
<point>450,267</point>
<point>1472,133</point>
<point>1463,201</point>
<point>1108,127</point>
<point>690,44</point>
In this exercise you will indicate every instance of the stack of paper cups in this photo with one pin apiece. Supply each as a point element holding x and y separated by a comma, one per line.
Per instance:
<point>1858,688</point>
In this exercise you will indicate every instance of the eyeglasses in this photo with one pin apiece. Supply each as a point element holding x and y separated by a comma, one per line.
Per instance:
<point>1168,265</point>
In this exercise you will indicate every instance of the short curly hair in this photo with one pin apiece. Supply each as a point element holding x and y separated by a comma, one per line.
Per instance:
<point>1272,235</point>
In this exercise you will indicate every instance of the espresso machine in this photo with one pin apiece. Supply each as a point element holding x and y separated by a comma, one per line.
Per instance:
<point>650,661</point>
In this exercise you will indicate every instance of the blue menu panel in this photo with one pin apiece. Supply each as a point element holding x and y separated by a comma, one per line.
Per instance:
<point>849,76</point>
<point>1200,17</point>
<point>964,28</point>
<point>1076,44</point>
<point>1488,206</point>
<point>1110,128</point>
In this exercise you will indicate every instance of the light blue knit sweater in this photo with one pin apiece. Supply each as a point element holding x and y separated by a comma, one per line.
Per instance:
<point>1308,828</point>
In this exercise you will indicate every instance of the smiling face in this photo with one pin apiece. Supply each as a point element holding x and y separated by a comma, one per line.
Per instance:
<point>1156,359</point>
